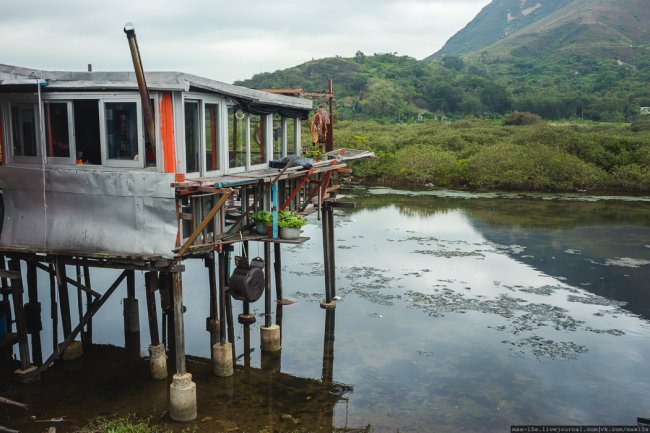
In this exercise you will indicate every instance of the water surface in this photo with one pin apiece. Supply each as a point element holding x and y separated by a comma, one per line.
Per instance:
<point>459,312</point>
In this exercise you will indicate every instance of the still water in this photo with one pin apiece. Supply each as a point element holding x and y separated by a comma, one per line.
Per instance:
<point>459,312</point>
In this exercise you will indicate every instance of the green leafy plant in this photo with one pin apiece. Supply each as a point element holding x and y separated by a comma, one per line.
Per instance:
<point>314,153</point>
<point>263,217</point>
<point>289,218</point>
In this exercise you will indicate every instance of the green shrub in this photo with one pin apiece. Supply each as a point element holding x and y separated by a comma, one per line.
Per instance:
<point>521,118</point>
<point>263,217</point>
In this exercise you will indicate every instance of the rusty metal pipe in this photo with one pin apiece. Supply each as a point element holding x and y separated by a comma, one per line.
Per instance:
<point>142,84</point>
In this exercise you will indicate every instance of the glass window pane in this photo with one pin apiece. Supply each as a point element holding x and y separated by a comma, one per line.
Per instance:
<point>191,137</point>
<point>23,126</point>
<point>211,137</point>
<point>236,138</point>
<point>57,136</point>
<point>86,130</point>
<point>290,126</point>
<point>277,136</point>
<point>122,130</point>
<point>258,148</point>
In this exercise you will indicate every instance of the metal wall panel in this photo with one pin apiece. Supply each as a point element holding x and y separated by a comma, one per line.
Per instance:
<point>89,210</point>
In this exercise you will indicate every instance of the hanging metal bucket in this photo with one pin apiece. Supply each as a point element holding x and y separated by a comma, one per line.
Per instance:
<point>247,280</point>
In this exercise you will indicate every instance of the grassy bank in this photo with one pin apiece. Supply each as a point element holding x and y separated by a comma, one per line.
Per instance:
<point>482,154</point>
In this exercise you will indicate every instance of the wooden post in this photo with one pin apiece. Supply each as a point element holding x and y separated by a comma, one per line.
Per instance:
<point>54,309</point>
<point>179,327</point>
<point>268,319</point>
<point>222,302</point>
<point>277,265</point>
<point>89,327</point>
<point>212,321</point>
<point>330,133</point>
<point>151,284</point>
<point>64,300</point>
<point>17,298</point>
<point>35,313</point>
<point>332,251</point>
<point>326,253</point>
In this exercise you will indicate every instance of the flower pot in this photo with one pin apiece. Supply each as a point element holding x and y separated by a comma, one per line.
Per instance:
<point>290,232</point>
<point>260,228</point>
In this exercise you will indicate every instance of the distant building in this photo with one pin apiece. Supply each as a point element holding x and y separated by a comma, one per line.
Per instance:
<point>645,111</point>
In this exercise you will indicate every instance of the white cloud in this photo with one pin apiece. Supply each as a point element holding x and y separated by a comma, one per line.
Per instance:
<point>218,39</point>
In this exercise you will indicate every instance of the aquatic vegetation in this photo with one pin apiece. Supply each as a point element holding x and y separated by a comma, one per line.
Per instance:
<point>127,424</point>
<point>546,349</point>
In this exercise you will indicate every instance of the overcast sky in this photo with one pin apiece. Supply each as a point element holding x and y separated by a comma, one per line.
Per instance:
<point>222,40</point>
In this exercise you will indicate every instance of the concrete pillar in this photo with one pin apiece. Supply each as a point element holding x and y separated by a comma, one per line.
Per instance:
<point>182,398</point>
<point>222,358</point>
<point>158,362</point>
<point>270,335</point>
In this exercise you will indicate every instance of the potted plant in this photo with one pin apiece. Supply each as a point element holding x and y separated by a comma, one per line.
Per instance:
<point>262,219</point>
<point>314,153</point>
<point>290,223</point>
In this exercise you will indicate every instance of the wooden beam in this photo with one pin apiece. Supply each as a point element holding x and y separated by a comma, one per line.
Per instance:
<point>206,220</point>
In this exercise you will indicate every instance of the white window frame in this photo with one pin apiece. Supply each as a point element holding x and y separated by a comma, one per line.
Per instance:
<point>201,133</point>
<point>121,163</point>
<point>268,150</point>
<point>220,141</point>
<point>247,147</point>
<point>62,160</point>
<point>20,100</point>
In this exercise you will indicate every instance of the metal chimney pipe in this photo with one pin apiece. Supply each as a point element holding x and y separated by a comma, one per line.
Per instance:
<point>142,84</point>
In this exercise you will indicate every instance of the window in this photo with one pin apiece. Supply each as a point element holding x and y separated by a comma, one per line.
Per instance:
<point>278,137</point>
<point>86,130</point>
<point>290,128</point>
<point>122,130</point>
<point>59,141</point>
<point>211,137</point>
<point>237,134</point>
<point>258,135</point>
<point>23,130</point>
<point>57,134</point>
<point>192,137</point>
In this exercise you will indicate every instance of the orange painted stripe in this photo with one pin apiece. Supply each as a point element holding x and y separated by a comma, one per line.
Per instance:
<point>167,132</point>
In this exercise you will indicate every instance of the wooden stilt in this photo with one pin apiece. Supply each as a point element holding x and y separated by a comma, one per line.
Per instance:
<point>21,328</point>
<point>34,312</point>
<point>332,250</point>
<point>80,307</point>
<point>89,327</point>
<point>227,302</point>
<point>222,301</point>
<point>326,253</point>
<point>214,296</point>
<point>64,300</point>
<point>54,309</point>
<point>179,328</point>
<point>268,319</point>
<point>277,265</point>
<point>151,284</point>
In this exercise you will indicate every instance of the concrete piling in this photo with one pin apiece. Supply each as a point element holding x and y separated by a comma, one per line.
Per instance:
<point>222,359</point>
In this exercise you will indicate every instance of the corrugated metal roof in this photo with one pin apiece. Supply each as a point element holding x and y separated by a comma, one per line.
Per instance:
<point>164,80</point>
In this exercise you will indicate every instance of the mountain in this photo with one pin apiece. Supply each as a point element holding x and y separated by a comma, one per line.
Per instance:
<point>556,29</point>
<point>495,22</point>
<point>598,29</point>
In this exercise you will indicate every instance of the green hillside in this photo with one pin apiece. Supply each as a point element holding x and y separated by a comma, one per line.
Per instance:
<point>580,59</point>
